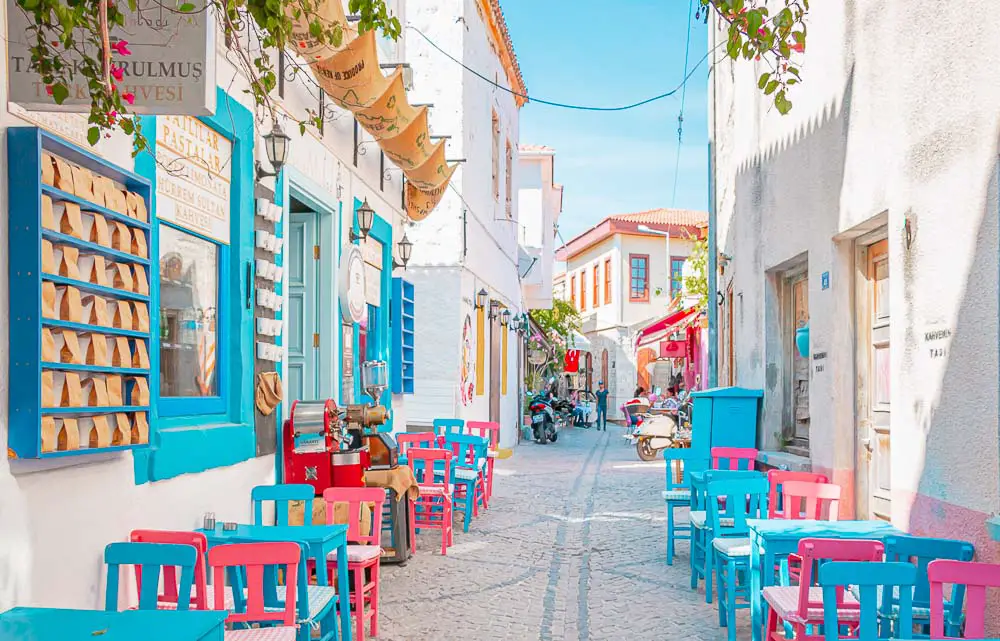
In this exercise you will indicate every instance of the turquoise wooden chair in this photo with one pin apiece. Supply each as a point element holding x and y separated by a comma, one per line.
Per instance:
<point>445,426</point>
<point>920,551</point>
<point>701,530</point>
<point>467,473</point>
<point>149,559</point>
<point>282,494</point>
<point>836,576</point>
<point>745,498</point>
<point>678,494</point>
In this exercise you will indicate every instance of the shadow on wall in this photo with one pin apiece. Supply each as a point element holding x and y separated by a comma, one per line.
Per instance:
<point>15,543</point>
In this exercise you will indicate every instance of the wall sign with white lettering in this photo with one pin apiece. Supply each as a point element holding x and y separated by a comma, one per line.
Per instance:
<point>192,187</point>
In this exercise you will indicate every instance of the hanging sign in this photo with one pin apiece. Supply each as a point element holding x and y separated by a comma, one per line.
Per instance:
<point>673,349</point>
<point>192,184</point>
<point>170,70</point>
<point>352,285</point>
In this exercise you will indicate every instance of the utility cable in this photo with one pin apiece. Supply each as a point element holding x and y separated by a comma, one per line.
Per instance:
<point>561,104</point>
<point>680,115</point>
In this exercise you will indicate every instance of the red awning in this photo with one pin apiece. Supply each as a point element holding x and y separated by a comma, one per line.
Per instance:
<point>664,327</point>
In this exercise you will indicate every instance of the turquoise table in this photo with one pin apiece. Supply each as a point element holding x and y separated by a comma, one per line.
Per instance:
<point>49,624</point>
<point>773,540</point>
<point>320,539</point>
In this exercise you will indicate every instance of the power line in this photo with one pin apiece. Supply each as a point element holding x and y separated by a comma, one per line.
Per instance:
<point>563,105</point>
<point>680,115</point>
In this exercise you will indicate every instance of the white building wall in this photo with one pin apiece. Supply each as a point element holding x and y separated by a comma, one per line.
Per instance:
<point>887,128</point>
<point>57,516</point>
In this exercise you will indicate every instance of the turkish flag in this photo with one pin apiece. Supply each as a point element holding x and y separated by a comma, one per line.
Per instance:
<point>673,349</point>
<point>572,361</point>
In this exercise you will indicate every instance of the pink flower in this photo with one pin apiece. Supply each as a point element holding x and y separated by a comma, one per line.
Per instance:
<point>129,98</point>
<point>118,73</point>
<point>48,89</point>
<point>798,46</point>
<point>122,48</point>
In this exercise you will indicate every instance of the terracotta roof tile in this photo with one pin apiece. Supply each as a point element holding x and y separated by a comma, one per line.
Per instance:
<point>664,217</point>
<point>536,148</point>
<point>501,23</point>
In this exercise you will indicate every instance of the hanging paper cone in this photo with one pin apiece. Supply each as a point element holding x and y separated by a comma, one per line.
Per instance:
<point>328,13</point>
<point>431,173</point>
<point>412,146</point>
<point>390,113</point>
<point>419,204</point>
<point>351,78</point>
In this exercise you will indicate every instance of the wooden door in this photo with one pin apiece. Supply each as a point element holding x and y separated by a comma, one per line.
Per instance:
<point>800,364</point>
<point>874,433</point>
<point>303,308</point>
<point>495,363</point>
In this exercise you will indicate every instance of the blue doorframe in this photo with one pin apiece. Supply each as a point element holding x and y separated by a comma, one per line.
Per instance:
<point>293,183</point>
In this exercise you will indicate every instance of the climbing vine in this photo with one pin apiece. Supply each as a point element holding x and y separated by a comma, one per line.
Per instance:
<point>70,41</point>
<point>772,35</point>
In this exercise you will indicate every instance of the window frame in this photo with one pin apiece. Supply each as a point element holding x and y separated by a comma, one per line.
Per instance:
<point>596,285</point>
<point>509,177</point>
<point>572,291</point>
<point>644,297</point>
<point>496,156</point>
<point>680,274</point>
<point>583,289</point>
<point>607,281</point>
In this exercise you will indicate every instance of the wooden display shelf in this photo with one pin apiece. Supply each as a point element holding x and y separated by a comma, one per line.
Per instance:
<point>86,205</point>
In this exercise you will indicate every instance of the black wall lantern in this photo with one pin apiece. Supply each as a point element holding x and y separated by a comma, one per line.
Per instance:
<point>276,146</point>
<point>366,218</point>
<point>482,298</point>
<point>494,306</point>
<point>505,317</point>
<point>405,249</point>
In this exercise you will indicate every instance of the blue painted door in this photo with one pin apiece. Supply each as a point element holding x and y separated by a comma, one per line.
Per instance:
<point>303,307</point>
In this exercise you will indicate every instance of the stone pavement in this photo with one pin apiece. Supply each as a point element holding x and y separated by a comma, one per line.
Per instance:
<point>572,547</point>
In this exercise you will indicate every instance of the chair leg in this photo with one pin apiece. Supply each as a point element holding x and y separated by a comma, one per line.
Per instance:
<point>670,534</point>
<point>695,540</point>
<point>489,478</point>
<point>470,500</point>
<point>358,600</point>
<point>376,589</point>
<point>413,526</point>
<point>721,580</point>
<point>771,629</point>
<point>709,567</point>
<point>732,581</point>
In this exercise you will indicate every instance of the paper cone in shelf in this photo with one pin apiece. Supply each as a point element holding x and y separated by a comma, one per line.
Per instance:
<point>69,264</point>
<point>97,311</point>
<point>95,268</point>
<point>48,216</point>
<point>68,435</point>
<point>71,353</point>
<point>48,434</point>
<point>140,359</point>
<point>121,239</point>
<point>71,221</point>
<point>72,391</point>
<point>139,244</point>
<point>97,351</point>
<point>123,315</point>
<point>100,434</point>
<point>49,389</point>
<point>83,183</point>
<point>49,352</point>
<point>123,277</point>
<point>141,285</point>
<point>114,384</point>
<point>48,258</point>
<point>121,355</point>
<point>122,432</point>
<point>140,429</point>
<point>63,175</point>
<point>114,199</point>
<point>99,233</point>
<point>138,391</point>
<point>49,300</point>
<point>71,307</point>
<point>136,206</point>
<point>97,391</point>
<point>140,320</point>
<point>100,185</point>
<point>48,170</point>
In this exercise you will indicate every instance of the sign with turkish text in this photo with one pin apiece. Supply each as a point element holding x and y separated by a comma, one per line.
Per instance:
<point>170,68</point>
<point>193,177</point>
<point>352,285</point>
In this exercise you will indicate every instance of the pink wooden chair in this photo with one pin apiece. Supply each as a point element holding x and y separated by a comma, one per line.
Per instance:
<point>167,600</point>
<point>802,605</point>
<point>976,578</point>
<point>435,500</point>
<point>364,552</point>
<point>409,440</point>
<point>776,478</point>
<point>818,501</point>
<point>733,458</point>
<point>254,557</point>
<point>491,431</point>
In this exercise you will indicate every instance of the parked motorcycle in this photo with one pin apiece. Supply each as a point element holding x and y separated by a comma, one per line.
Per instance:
<point>652,433</point>
<point>543,420</point>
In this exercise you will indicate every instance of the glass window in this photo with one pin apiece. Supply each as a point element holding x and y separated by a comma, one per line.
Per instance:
<point>189,294</point>
<point>676,276</point>
<point>572,290</point>
<point>639,266</point>
<point>597,286</point>
<point>607,281</point>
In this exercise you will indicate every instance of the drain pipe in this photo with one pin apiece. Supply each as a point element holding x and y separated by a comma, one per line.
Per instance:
<point>713,249</point>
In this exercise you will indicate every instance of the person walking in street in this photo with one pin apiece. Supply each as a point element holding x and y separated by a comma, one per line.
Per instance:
<point>602,406</point>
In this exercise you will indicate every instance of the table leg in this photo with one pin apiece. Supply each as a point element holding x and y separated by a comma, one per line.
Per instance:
<point>344,592</point>
<point>756,620</point>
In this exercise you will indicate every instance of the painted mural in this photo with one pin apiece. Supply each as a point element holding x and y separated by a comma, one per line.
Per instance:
<point>468,381</point>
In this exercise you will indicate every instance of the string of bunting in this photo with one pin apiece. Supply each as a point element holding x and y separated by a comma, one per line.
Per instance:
<point>351,77</point>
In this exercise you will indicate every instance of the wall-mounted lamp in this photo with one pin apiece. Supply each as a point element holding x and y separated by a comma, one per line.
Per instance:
<point>505,318</point>
<point>405,249</point>
<point>494,306</point>
<point>366,218</point>
<point>276,146</point>
<point>482,298</point>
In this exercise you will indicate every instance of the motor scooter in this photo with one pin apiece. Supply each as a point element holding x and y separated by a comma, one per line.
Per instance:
<point>653,432</point>
<point>544,420</point>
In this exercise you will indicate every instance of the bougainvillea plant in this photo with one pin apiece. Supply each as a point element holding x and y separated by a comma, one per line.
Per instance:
<point>70,41</point>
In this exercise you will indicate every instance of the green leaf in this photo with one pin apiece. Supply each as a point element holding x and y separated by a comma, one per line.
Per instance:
<point>754,21</point>
<point>771,86</point>
<point>127,126</point>
<point>93,135</point>
<point>29,5</point>
<point>59,93</point>
<point>187,7</point>
<point>763,79</point>
<point>799,37</point>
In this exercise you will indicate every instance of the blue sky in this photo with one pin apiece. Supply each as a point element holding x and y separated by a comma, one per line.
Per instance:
<point>606,54</point>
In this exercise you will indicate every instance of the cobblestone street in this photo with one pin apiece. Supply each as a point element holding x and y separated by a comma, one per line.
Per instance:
<point>572,547</point>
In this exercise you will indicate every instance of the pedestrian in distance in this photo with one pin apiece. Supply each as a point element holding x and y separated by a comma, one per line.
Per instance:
<point>602,406</point>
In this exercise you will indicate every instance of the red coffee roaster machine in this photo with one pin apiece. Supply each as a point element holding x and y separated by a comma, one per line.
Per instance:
<point>324,445</point>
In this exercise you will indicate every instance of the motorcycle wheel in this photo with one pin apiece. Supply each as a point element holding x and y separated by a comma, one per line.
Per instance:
<point>554,437</point>
<point>645,451</point>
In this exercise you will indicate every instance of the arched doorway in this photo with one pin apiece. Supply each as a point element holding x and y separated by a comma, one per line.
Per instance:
<point>590,372</point>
